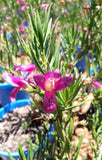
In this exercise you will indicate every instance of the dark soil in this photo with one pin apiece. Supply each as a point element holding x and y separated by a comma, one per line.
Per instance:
<point>14,127</point>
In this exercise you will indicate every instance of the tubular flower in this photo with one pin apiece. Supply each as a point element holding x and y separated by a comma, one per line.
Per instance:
<point>17,82</point>
<point>51,82</point>
<point>27,68</point>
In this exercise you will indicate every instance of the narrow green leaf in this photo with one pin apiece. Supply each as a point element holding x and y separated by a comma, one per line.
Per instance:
<point>57,55</point>
<point>66,148</point>
<point>31,17</point>
<point>38,65</point>
<point>48,31</point>
<point>68,118</point>
<point>70,131</point>
<point>73,106</point>
<point>77,149</point>
<point>24,46</point>
<point>21,152</point>
<point>39,29</point>
<point>11,156</point>
<point>46,20</point>
<point>52,44</point>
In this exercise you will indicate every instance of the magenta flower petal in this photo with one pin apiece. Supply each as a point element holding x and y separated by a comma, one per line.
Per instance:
<point>21,28</point>
<point>9,79</point>
<point>97,84</point>
<point>55,74</point>
<point>49,74</point>
<point>26,68</point>
<point>51,83</point>
<point>18,67</point>
<point>40,81</point>
<point>20,82</point>
<point>49,105</point>
<point>14,93</point>
<point>62,83</point>
<point>15,81</point>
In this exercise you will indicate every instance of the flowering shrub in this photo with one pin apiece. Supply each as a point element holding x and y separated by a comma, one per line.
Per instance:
<point>60,42</point>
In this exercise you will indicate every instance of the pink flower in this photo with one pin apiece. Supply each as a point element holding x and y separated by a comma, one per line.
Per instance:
<point>96,84</point>
<point>44,6</point>
<point>52,82</point>
<point>9,18</point>
<point>92,82</point>
<point>25,68</point>
<point>56,27</point>
<point>4,8</point>
<point>21,28</point>
<point>1,29</point>
<point>85,29</point>
<point>27,5</point>
<point>70,0</point>
<point>79,27</point>
<point>20,1</point>
<point>64,11</point>
<point>22,9</point>
<point>17,82</point>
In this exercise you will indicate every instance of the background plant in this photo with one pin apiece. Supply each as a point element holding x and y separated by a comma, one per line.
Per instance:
<point>50,48</point>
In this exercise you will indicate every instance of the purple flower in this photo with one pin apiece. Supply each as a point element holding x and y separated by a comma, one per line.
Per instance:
<point>51,82</point>
<point>17,82</point>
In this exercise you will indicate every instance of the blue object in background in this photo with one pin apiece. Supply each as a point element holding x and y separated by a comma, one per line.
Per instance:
<point>18,13</point>
<point>98,67</point>
<point>26,24</point>
<point>71,8</point>
<point>92,70</point>
<point>9,36</point>
<point>81,64</point>
<point>15,155</point>
<point>51,138</point>
<point>1,69</point>
<point>6,89</point>
<point>11,106</point>
<point>78,49</point>
<point>16,42</point>
<point>89,4</point>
